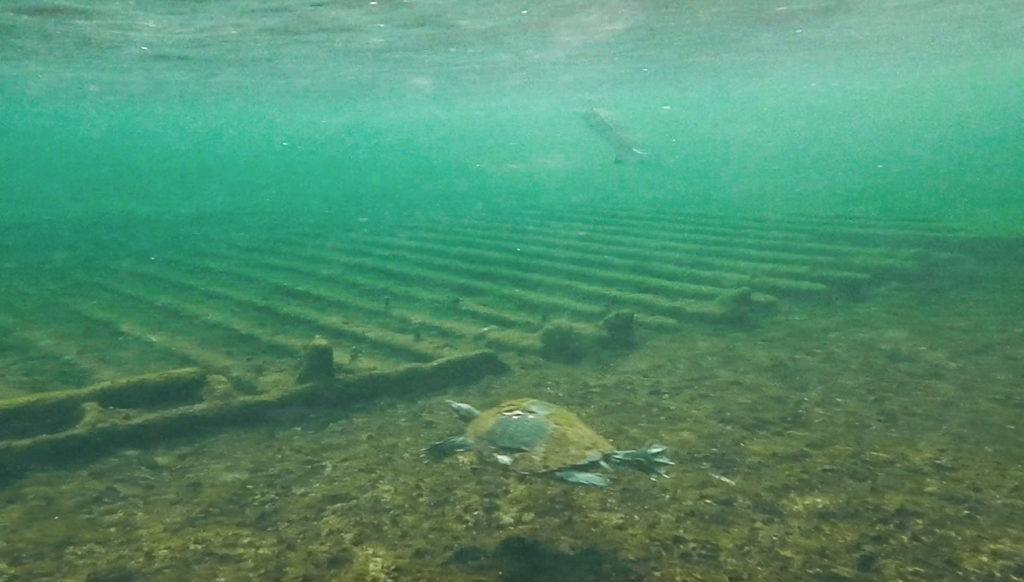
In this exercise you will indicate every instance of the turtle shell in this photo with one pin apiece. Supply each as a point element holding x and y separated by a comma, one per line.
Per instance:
<point>533,436</point>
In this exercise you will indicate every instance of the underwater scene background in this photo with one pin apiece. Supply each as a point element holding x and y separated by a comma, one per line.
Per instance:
<point>248,250</point>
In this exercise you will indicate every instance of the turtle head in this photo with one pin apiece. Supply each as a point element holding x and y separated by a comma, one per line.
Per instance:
<point>465,412</point>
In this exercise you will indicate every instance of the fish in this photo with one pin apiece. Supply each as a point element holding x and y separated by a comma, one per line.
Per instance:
<point>625,150</point>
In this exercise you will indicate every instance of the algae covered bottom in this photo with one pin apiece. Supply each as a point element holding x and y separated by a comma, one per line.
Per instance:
<point>852,441</point>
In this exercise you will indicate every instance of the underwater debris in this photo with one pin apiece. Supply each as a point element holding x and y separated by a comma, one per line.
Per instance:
<point>318,362</point>
<point>621,329</point>
<point>354,353</point>
<point>562,342</point>
<point>453,303</point>
<point>218,389</point>
<point>95,415</point>
<point>735,305</point>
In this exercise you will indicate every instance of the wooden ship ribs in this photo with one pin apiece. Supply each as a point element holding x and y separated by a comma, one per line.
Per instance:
<point>184,336</point>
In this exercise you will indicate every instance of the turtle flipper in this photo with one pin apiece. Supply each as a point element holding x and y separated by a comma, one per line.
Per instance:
<point>583,478</point>
<point>448,446</point>
<point>651,460</point>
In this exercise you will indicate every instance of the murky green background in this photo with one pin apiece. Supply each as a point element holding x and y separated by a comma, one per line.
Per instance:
<point>831,106</point>
<point>869,440</point>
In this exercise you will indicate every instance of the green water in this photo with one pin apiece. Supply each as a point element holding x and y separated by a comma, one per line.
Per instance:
<point>827,107</point>
<point>212,183</point>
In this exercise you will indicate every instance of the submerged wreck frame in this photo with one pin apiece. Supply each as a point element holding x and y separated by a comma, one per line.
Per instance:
<point>58,428</point>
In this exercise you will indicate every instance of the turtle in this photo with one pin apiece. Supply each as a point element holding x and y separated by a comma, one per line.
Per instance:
<point>534,437</point>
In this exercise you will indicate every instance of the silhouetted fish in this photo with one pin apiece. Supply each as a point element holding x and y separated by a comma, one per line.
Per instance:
<point>625,151</point>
